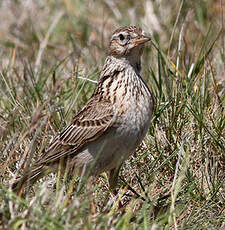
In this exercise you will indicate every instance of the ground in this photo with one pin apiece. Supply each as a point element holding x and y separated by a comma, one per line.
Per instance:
<point>51,53</point>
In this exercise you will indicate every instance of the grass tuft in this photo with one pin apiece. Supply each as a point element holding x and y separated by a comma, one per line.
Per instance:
<point>51,56</point>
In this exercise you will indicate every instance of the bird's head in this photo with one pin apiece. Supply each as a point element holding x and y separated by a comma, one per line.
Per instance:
<point>128,41</point>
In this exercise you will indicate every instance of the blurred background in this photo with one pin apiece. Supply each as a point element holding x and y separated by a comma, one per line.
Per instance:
<point>83,28</point>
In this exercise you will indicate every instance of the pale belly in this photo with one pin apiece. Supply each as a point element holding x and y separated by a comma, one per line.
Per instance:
<point>121,140</point>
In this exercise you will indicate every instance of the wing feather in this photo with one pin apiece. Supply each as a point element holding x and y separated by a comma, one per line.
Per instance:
<point>90,123</point>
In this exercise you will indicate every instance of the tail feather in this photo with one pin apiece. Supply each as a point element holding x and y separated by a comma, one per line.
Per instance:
<point>30,177</point>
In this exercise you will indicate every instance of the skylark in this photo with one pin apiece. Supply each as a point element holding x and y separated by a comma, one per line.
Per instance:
<point>112,123</point>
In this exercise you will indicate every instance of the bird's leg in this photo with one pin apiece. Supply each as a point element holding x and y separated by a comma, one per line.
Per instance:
<point>113,179</point>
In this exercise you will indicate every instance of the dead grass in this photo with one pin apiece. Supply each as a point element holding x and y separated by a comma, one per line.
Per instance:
<point>51,54</point>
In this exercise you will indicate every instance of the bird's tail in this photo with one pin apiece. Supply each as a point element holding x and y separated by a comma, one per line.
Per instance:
<point>30,177</point>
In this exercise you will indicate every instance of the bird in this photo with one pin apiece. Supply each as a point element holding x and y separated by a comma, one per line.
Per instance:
<point>113,122</point>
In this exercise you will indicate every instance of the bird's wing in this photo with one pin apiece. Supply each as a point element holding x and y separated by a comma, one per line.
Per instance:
<point>88,125</point>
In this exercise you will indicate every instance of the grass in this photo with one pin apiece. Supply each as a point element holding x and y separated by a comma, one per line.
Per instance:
<point>51,55</point>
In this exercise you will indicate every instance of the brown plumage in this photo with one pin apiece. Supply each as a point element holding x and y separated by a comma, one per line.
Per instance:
<point>112,123</point>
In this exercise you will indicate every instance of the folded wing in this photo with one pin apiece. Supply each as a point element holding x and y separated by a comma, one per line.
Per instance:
<point>88,125</point>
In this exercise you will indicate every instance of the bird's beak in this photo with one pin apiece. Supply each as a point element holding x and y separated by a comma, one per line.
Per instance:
<point>141,40</point>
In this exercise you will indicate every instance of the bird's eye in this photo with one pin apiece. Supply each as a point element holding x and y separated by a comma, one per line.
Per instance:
<point>121,36</point>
